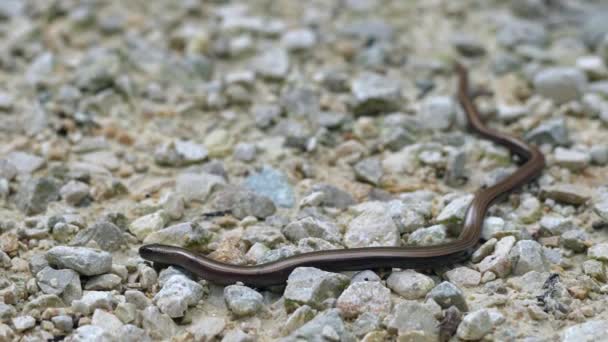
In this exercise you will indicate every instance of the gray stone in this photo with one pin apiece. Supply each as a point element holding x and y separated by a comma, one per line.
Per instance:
<point>312,227</point>
<point>438,112</point>
<point>410,284</point>
<point>92,300</point>
<point>242,300</point>
<point>159,325</point>
<point>104,282</point>
<point>447,294</point>
<point>414,321</point>
<point>589,331</point>
<point>598,251</point>
<point>60,282</point>
<point>8,171</point>
<point>575,240</point>
<point>85,261</point>
<point>468,45</point>
<point>553,224</point>
<point>463,276</point>
<point>369,170</point>
<point>63,322</point>
<point>492,226</point>
<point>366,275</point>
<point>6,312</point>
<point>560,84</point>
<point>237,335</point>
<point>245,152</point>
<point>138,299</point>
<point>312,287</point>
<point>526,256</point>
<point>107,321</point>
<point>375,94</point>
<point>499,262</point>
<point>185,234</point>
<point>334,197</point>
<point>325,326</point>
<point>433,235</point>
<point>126,312</point>
<point>475,325</point>
<point>301,101</point>
<point>371,229</point>
<point>90,333</point>
<point>180,153</point>
<point>572,159</point>
<point>25,163</point>
<point>554,132</point>
<point>273,184</point>
<point>595,269</point>
<point>243,203</point>
<point>74,192</point>
<point>23,323</point>
<point>595,28</point>
<point>177,293</point>
<point>105,234</point>
<point>35,195</point>
<point>599,154</point>
<point>129,332</point>
<point>273,63</point>
<point>265,115</point>
<point>197,186</point>
<point>269,236</point>
<point>455,211</point>
<point>361,297</point>
<point>148,224</point>
<point>207,328</point>
<point>522,32</point>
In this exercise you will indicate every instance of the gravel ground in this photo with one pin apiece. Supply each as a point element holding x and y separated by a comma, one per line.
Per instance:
<point>311,125</point>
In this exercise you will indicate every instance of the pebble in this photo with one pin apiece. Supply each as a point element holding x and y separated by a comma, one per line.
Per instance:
<point>85,261</point>
<point>245,152</point>
<point>185,234</point>
<point>447,294</point>
<point>362,297</point>
<point>23,323</point>
<point>92,300</point>
<point>35,195</point>
<point>180,153</point>
<point>438,112</point>
<point>158,325</point>
<point>499,262</point>
<point>242,300</point>
<point>410,284</point>
<point>333,196</point>
<point>63,322</point>
<point>90,333</point>
<point>414,321</point>
<point>526,256</point>
<point>273,184</point>
<point>24,162</point>
<point>454,212</point>
<point>434,235</point>
<point>243,203</point>
<point>64,282</point>
<point>593,330</point>
<point>8,171</point>
<point>572,159</point>
<point>475,325</point>
<point>273,63</point>
<point>299,39</point>
<point>325,326</point>
<point>106,235</point>
<point>148,224</point>
<point>463,277</point>
<point>575,240</point>
<point>522,32</point>
<point>553,131</point>
<point>74,192</point>
<point>598,251</point>
<point>107,321</point>
<point>197,186</point>
<point>312,287</point>
<point>375,94</point>
<point>178,292</point>
<point>104,282</point>
<point>369,170</point>
<point>560,84</point>
<point>312,227</point>
<point>371,229</point>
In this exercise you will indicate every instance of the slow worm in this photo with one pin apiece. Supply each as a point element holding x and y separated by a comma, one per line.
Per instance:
<point>275,273</point>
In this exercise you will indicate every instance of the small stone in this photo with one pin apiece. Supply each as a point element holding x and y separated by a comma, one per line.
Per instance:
<point>160,326</point>
<point>571,159</point>
<point>522,32</point>
<point>90,333</point>
<point>60,282</point>
<point>145,225</point>
<point>245,152</point>
<point>180,153</point>
<point>554,132</point>
<point>326,326</point>
<point>566,193</point>
<point>414,321</point>
<point>369,170</point>
<point>312,287</point>
<point>333,196</point>
<point>463,276</point>
<point>185,234</point>
<point>371,229</point>
<point>107,321</point>
<point>447,294</point>
<point>105,234</point>
<point>219,143</point>
<point>85,261</point>
<point>137,298</point>
<point>104,282</point>
<point>8,171</point>
<point>475,325</point>
<point>197,186</point>
<point>454,212</point>
<point>297,318</point>
<point>438,113</point>
<point>23,323</point>
<point>35,195</point>
<point>92,300</point>
<point>272,63</point>
<point>529,209</point>
<point>243,203</point>
<point>492,226</point>
<point>362,297</point>
<point>552,224</point>
<point>269,236</point>
<point>237,335</point>
<point>589,331</point>
<point>375,94</point>
<point>312,227</point>
<point>25,163</point>
<point>434,235</point>
<point>126,312</point>
<point>129,332</point>
<point>468,45</point>
<point>6,312</point>
<point>595,269</point>
<point>526,256</point>
<point>575,240</point>
<point>598,153</point>
<point>366,275</point>
<point>242,300</point>
<point>178,292</point>
<point>207,328</point>
<point>74,192</point>
<point>63,323</point>
<point>299,39</point>
<point>273,184</point>
<point>598,251</point>
<point>593,66</point>
<point>560,84</point>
